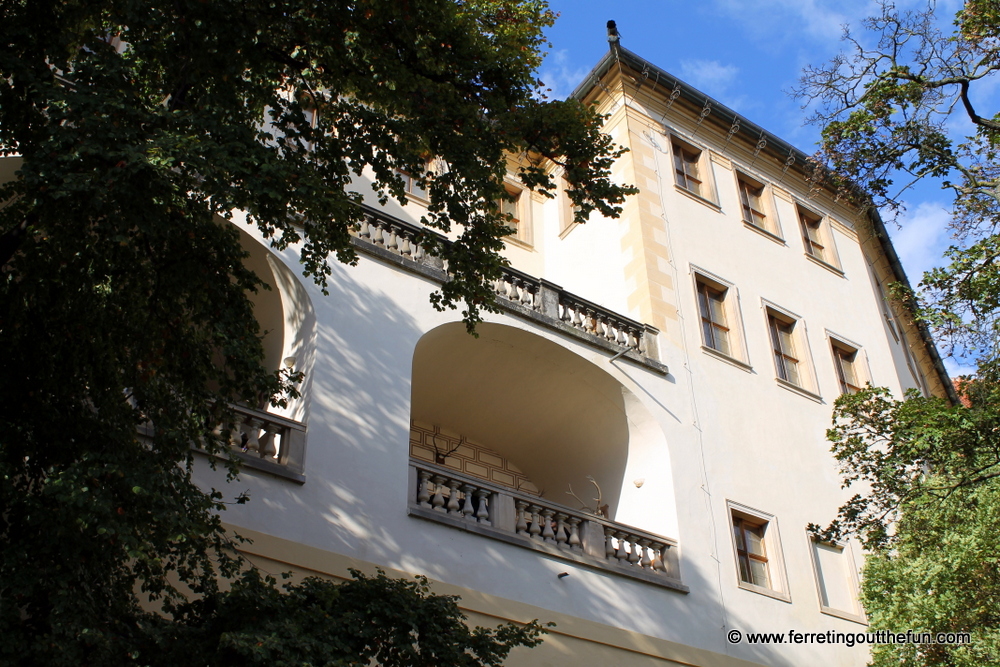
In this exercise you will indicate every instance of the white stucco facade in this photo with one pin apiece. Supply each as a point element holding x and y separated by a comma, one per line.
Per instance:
<point>686,441</point>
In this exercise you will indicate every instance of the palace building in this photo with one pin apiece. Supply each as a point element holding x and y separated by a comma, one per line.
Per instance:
<point>634,446</point>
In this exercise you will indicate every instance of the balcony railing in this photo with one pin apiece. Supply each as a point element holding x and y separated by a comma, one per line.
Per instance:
<point>520,292</point>
<point>445,496</point>
<point>269,442</point>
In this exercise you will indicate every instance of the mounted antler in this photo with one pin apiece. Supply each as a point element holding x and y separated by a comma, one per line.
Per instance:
<point>598,509</point>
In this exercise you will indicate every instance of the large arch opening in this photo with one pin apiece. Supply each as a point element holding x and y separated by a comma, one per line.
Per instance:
<point>525,412</point>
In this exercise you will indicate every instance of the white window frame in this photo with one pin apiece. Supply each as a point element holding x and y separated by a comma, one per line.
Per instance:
<point>857,614</point>
<point>777,577</point>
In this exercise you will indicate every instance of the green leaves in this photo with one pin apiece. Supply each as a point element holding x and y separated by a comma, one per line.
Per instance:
<point>124,293</point>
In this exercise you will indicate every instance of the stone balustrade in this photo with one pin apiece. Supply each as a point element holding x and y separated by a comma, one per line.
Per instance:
<point>521,292</point>
<point>269,442</point>
<point>443,495</point>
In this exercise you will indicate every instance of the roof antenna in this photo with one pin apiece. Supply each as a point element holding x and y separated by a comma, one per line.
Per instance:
<point>613,35</point>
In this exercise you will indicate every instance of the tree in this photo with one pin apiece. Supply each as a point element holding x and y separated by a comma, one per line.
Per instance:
<point>931,470</point>
<point>124,300</point>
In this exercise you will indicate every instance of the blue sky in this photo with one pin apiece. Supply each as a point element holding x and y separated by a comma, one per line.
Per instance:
<point>747,55</point>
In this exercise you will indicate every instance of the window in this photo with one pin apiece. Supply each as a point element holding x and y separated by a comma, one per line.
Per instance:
<point>751,553</point>
<point>845,358</point>
<point>812,235</point>
<point>759,566</point>
<point>714,327</point>
<point>752,202</point>
<point>836,580</point>
<point>687,170</point>
<point>890,319</point>
<point>569,210</point>
<point>412,185</point>
<point>515,210</point>
<point>817,238</point>
<point>786,359</point>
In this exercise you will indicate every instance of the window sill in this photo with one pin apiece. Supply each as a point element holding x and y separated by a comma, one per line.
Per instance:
<point>845,615</point>
<point>826,265</point>
<point>771,236</point>
<point>567,229</point>
<point>698,198</point>
<point>799,390</point>
<point>732,361</point>
<point>417,199</point>
<point>516,242</point>
<point>760,590</point>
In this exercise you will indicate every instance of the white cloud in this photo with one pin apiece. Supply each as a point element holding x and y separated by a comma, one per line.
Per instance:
<point>559,75</point>
<point>710,76</point>
<point>922,238</point>
<point>814,19</point>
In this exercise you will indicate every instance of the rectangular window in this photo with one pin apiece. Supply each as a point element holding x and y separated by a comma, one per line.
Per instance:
<point>836,581</point>
<point>686,168</point>
<point>786,360</point>
<point>752,202</point>
<point>412,185</point>
<point>812,236</point>
<point>515,210</point>
<point>751,553</point>
<point>845,358</point>
<point>714,327</point>
<point>757,547</point>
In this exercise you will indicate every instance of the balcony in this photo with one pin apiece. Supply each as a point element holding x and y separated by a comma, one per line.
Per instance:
<point>535,299</point>
<point>467,503</point>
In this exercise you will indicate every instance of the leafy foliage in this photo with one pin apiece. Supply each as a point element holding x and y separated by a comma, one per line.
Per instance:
<point>124,296</point>
<point>930,471</point>
<point>888,111</point>
<point>368,620</point>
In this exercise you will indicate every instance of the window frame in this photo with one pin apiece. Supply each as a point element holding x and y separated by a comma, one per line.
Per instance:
<point>568,210</point>
<point>705,281</point>
<point>800,353</point>
<point>770,226</point>
<point>522,231</point>
<point>811,220</point>
<point>841,348</point>
<point>700,159</point>
<point>853,582</point>
<point>740,515</point>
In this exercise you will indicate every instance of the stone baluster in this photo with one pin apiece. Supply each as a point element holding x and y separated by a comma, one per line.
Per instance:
<point>536,522</point>
<point>609,543</point>
<point>391,240</point>
<point>657,564</point>
<point>620,553</point>
<point>266,444</point>
<point>454,507</point>
<point>483,512</point>
<point>424,489</point>
<point>645,562</point>
<point>521,525</point>
<point>365,230</point>
<point>377,236</point>
<point>547,533</point>
<point>250,429</point>
<point>405,247</point>
<point>438,501</point>
<point>467,509</point>
<point>633,555</point>
<point>561,537</point>
<point>573,539</point>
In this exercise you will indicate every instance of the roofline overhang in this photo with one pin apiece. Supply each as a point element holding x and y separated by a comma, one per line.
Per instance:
<point>754,134</point>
